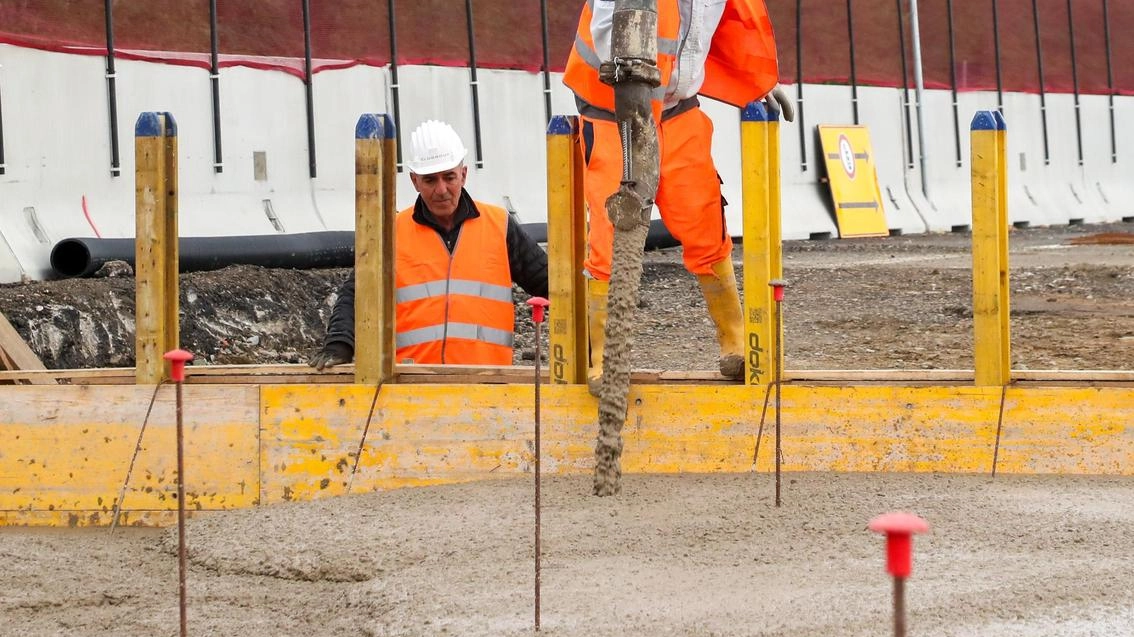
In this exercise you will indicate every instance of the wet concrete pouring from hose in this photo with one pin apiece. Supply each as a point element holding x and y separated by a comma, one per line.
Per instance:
<point>634,74</point>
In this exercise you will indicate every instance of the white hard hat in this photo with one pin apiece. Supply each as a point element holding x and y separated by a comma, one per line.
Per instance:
<point>435,147</point>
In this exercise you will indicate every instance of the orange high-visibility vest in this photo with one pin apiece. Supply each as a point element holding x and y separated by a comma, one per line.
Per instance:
<point>454,309</point>
<point>742,65</point>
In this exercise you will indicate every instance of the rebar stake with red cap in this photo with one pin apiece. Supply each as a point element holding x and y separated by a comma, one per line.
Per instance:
<point>177,359</point>
<point>899,529</point>
<point>539,304</point>
<point>778,286</point>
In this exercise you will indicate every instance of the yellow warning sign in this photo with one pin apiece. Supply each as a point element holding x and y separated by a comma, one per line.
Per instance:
<point>854,181</point>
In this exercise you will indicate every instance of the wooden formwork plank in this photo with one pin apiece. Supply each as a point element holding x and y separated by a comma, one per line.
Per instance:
<point>310,438</point>
<point>1082,430</point>
<point>69,448</point>
<point>15,355</point>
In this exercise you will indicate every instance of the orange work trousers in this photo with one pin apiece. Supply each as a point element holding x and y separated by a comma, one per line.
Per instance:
<point>688,196</point>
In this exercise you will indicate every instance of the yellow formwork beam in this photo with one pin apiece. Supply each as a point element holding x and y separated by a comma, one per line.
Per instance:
<point>67,451</point>
<point>67,448</point>
<point>991,333</point>
<point>762,254</point>
<point>566,243</point>
<point>155,244</point>
<point>374,165</point>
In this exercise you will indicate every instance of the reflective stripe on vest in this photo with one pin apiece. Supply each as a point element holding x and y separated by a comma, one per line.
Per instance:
<point>455,286</point>
<point>466,331</point>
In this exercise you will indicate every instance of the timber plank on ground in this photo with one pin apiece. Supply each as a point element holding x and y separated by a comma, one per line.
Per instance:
<point>300,374</point>
<point>15,355</point>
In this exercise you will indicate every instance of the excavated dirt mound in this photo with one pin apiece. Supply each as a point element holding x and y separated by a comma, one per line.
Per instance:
<point>898,302</point>
<point>681,555</point>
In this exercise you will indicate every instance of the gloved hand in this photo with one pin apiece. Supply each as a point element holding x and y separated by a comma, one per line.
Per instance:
<point>335,353</point>
<point>778,101</point>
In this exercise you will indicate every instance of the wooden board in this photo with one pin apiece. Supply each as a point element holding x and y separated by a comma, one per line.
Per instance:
<point>16,355</point>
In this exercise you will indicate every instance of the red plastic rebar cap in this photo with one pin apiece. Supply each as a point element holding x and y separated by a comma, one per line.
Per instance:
<point>899,527</point>
<point>778,286</point>
<point>177,359</point>
<point>539,304</point>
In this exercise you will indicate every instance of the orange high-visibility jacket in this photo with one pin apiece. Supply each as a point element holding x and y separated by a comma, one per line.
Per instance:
<point>742,65</point>
<point>454,309</point>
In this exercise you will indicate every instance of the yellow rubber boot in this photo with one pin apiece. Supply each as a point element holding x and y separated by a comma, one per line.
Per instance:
<point>723,300</point>
<point>596,328</point>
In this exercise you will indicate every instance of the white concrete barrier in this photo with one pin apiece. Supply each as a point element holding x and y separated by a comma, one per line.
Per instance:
<point>58,181</point>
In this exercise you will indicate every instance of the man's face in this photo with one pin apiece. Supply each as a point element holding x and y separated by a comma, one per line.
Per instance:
<point>441,191</point>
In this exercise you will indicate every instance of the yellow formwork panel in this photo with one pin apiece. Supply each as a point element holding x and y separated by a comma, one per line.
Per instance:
<point>310,436</point>
<point>68,448</point>
<point>1068,430</point>
<point>883,428</point>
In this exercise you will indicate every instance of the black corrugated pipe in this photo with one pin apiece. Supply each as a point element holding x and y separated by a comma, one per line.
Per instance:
<point>1075,81</point>
<point>474,84</point>
<point>546,62</point>
<point>953,81</point>
<point>393,26</point>
<point>853,67</point>
<point>905,88</point>
<point>308,88</point>
<point>214,81</point>
<point>77,257</point>
<point>799,85</point>
<point>1042,83</point>
<point>83,256</point>
<point>1109,83</point>
<point>996,48</point>
<point>112,90</point>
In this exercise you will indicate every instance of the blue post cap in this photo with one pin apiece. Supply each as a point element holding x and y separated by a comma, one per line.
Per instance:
<point>374,126</point>
<point>988,120</point>
<point>149,125</point>
<point>758,112</point>
<point>561,125</point>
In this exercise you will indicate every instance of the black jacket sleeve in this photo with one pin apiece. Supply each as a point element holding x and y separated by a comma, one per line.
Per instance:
<point>526,260</point>
<point>340,329</point>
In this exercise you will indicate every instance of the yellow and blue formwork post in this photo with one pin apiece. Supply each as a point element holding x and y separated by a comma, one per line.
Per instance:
<point>762,253</point>
<point>991,328</point>
<point>566,245</point>
<point>155,244</point>
<point>374,249</point>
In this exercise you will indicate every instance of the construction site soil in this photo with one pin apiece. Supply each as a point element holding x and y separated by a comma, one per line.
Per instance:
<point>885,303</point>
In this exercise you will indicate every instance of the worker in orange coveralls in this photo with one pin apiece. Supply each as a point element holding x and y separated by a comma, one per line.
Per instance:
<point>723,49</point>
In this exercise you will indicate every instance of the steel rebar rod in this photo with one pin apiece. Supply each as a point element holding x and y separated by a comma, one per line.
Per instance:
<point>112,90</point>
<point>1109,84</point>
<point>395,97</point>
<point>474,85</point>
<point>953,82</point>
<point>1042,88</point>
<point>309,89</point>
<point>214,83</point>
<point>1075,83</point>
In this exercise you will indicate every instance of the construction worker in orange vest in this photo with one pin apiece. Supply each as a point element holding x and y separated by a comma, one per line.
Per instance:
<point>723,49</point>
<point>455,262</point>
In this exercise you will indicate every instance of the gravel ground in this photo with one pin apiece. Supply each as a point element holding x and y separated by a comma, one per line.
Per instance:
<point>897,302</point>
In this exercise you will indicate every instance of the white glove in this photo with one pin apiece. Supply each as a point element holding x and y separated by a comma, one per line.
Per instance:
<point>777,100</point>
